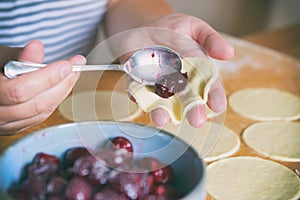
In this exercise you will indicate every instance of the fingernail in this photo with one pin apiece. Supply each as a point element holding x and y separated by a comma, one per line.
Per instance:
<point>79,60</point>
<point>82,61</point>
<point>160,117</point>
<point>197,116</point>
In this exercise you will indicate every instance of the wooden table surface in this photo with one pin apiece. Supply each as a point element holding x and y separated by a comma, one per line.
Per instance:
<point>252,66</point>
<point>285,40</point>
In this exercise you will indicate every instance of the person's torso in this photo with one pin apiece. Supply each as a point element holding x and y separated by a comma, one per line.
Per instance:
<point>66,27</point>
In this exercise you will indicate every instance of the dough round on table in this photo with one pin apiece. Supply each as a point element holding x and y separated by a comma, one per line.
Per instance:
<point>277,140</point>
<point>251,178</point>
<point>212,141</point>
<point>202,73</point>
<point>265,104</point>
<point>99,105</point>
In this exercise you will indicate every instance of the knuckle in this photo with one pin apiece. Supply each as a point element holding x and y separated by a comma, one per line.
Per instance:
<point>2,123</point>
<point>16,94</point>
<point>43,106</point>
<point>8,129</point>
<point>41,118</point>
<point>52,80</point>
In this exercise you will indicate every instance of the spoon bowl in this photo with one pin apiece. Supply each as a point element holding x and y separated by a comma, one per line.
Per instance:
<point>145,66</point>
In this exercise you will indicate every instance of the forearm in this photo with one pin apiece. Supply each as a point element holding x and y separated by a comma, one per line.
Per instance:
<point>126,14</point>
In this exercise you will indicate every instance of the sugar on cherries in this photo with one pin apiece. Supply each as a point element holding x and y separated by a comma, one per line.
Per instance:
<point>110,172</point>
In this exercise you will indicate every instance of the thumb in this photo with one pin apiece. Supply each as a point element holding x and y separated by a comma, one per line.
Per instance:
<point>32,52</point>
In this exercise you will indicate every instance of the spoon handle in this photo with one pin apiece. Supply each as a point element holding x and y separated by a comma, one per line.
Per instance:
<point>14,68</point>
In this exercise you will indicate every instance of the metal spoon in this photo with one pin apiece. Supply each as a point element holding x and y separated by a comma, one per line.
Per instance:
<point>146,65</point>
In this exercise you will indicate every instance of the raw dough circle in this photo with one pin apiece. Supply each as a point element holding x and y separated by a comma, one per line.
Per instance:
<point>265,104</point>
<point>251,178</point>
<point>99,105</point>
<point>277,140</point>
<point>225,144</point>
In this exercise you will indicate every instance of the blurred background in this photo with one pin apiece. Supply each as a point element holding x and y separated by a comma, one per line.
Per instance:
<point>271,23</point>
<point>242,17</point>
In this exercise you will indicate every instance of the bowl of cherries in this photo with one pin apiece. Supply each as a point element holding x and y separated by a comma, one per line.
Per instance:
<point>101,160</point>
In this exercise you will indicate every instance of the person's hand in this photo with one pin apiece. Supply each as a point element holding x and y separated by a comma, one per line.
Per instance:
<point>31,98</point>
<point>187,35</point>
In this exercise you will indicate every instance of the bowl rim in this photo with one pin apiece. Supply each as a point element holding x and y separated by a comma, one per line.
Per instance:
<point>201,180</point>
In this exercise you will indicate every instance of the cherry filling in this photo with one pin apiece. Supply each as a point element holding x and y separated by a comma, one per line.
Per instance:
<point>168,85</point>
<point>96,175</point>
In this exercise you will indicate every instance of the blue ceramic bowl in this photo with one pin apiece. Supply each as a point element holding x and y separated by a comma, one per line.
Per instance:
<point>189,168</point>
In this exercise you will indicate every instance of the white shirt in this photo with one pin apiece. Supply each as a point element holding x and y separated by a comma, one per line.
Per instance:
<point>66,27</point>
